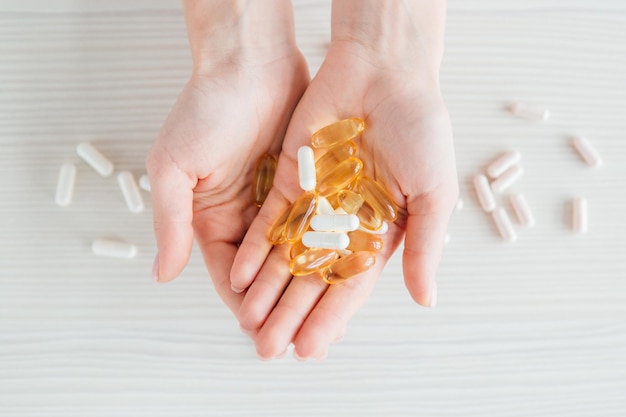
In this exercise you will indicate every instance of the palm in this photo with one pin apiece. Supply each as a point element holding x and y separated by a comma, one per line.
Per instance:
<point>407,145</point>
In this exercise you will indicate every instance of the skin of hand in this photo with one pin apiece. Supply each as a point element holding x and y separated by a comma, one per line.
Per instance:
<point>234,109</point>
<point>407,146</point>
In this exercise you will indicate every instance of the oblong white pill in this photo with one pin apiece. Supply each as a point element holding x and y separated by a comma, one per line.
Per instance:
<point>130,190</point>
<point>95,159</point>
<point>381,231</point>
<point>503,162</point>
<point>326,240</point>
<point>587,152</point>
<point>530,111</point>
<point>324,207</point>
<point>65,185</point>
<point>113,248</point>
<point>483,191</point>
<point>507,179</point>
<point>335,223</point>
<point>522,210</point>
<point>306,168</point>
<point>504,225</point>
<point>144,183</point>
<point>579,215</point>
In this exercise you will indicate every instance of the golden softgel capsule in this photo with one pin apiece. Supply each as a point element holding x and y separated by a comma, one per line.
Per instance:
<point>364,241</point>
<point>348,266</point>
<point>263,178</point>
<point>334,156</point>
<point>353,203</point>
<point>339,177</point>
<point>312,260</point>
<point>338,133</point>
<point>277,233</point>
<point>300,217</point>
<point>376,196</point>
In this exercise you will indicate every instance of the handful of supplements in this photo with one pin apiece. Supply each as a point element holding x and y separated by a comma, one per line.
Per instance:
<point>335,227</point>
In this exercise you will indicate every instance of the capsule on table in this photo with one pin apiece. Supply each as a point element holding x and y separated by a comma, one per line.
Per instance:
<point>338,133</point>
<point>363,241</point>
<point>300,217</point>
<point>377,197</point>
<point>130,191</point>
<point>65,185</point>
<point>297,248</point>
<point>277,232</point>
<point>334,156</point>
<point>263,178</point>
<point>95,159</point>
<point>337,178</point>
<point>312,260</point>
<point>348,266</point>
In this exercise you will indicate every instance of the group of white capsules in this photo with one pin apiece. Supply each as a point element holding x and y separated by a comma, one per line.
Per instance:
<point>334,227</point>
<point>128,186</point>
<point>505,169</point>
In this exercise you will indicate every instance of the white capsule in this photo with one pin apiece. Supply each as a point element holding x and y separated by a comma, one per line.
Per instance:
<point>586,151</point>
<point>144,183</point>
<point>522,210</point>
<point>335,223</point>
<point>324,207</point>
<point>306,168</point>
<point>94,158</point>
<point>459,205</point>
<point>130,190</point>
<point>485,195</point>
<point>65,185</point>
<point>113,248</point>
<point>579,215</point>
<point>504,225</point>
<point>502,163</point>
<point>507,179</point>
<point>325,240</point>
<point>529,111</point>
<point>380,231</point>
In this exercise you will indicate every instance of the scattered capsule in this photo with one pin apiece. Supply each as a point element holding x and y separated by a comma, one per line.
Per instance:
<point>130,190</point>
<point>376,196</point>
<point>340,176</point>
<point>263,178</point>
<point>113,248</point>
<point>485,195</point>
<point>579,215</point>
<point>144,183</point>
<point>503,162</point>
<point>335,222</point>
<point>529,111</point>
<point>300,217</point>
<point>297,248</point>
<point>364,241</point>
<point>504,225</point>
<point>65,185</point>
<point>338,133</point>
<point>348,266</point>
<point>95,159</point>
<point>324,208</point>
<point>586,151</point>
<point>312,260</point>
<point>522,210</point>
<point>507,179</point>
<point>326,240</point>
<point>306,168</point>
<point>277,232</point>
<point>334,156</point>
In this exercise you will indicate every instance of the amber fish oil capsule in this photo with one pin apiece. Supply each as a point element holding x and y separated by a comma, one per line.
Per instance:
<point>485,195</point>
<point>263,178</point>
<point>65,185</point>
<point>364,241</point>
<point>340,176</point>
<point>348,266</point>
<point>277,232</point>
<point>376,196</point>
<point>130,190</point>
<point>338,133</point>
<point>312,260</point>
<point>326,240</point>
<point>587,152</point>
<point>350,201</point>
<point>336,222</point>
<point>113,248</point>
<point>335,156</point>
<point>95,159</point>
<point>300,216</point>
<point>502,163</point>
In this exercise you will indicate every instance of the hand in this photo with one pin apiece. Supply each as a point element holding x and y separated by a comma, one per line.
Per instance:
<point>407,146</point>
<point>201,165</point>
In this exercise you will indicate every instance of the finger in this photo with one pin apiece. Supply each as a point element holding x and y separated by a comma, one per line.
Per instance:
<point>172,198</point>
<point>266,290</point>
<point>287,317</point>
<point>426,226</point>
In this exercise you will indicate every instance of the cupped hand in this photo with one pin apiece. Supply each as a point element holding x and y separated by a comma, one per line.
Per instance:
<point>202,162</point>
<point>407,146</point>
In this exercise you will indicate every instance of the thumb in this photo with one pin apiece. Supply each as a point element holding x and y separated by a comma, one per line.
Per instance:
<point>172,199</point>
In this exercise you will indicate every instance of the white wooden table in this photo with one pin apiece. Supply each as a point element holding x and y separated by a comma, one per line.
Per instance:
<point>537,328</point>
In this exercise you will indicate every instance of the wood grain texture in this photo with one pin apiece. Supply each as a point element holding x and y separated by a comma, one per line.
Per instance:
<point>536,328</point>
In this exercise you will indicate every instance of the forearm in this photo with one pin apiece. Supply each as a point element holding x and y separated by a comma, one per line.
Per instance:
<point>389,29</point>
<point>234,31</point>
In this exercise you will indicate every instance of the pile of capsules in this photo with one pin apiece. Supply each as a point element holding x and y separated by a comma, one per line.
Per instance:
<point>335,227</point>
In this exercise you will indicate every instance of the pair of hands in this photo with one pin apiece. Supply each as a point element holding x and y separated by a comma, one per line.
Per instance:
<point>202,163</point>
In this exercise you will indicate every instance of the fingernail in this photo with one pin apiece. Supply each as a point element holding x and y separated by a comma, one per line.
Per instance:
<point>298,357</point>
<point>155,269</point>
<point>433,296</point>
<point>282,355</point>
<point>235,289</point>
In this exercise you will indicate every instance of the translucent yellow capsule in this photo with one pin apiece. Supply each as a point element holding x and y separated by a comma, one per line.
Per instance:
<point>277,232</point>
<point>378,198</point>
<point>312,260</point>
<point>353,203</point>
<point>337,133</point>
<point>263,178</point>
<point>348,266</point>
<point>337,178</point>
<point>297,248</point>
<point>300,217</point>
<point>334,156</point>
<point>363,241</point>
<point>350,201</point>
